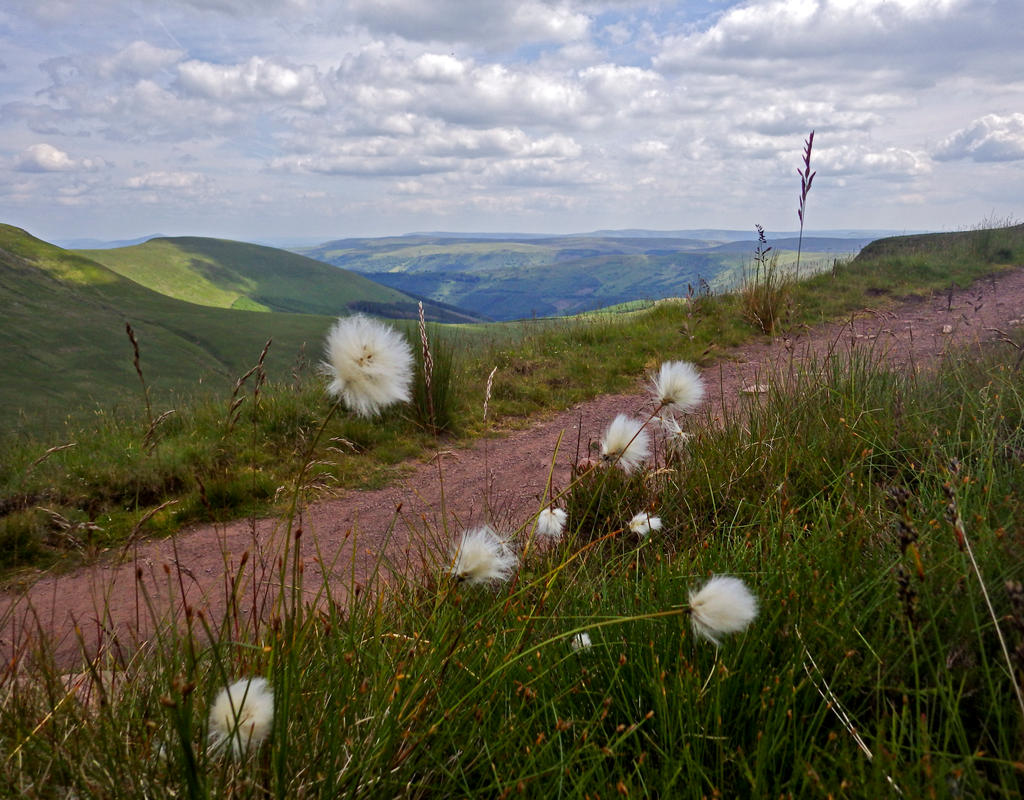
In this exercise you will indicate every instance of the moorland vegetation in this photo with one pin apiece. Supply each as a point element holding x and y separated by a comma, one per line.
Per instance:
<point>866,639</point>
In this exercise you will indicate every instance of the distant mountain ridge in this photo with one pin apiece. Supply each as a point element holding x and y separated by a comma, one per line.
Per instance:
<point>518,276</point>
<point>709,234</point>
<point>301,243</point>
<point>810,244</point>
<point>102,244</point>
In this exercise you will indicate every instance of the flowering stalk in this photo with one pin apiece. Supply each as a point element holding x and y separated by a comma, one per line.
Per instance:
<point>487,391</point>
<point>138,370</point>
<point>806,178</point>
<point>428,368</point>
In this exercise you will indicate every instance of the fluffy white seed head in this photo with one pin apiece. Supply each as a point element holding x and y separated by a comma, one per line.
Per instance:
<point>626,442</point>
<point>678,385</point>
<point>370,364</point>
<point>643,523</point>
<point>581,641</point>
<point>551,523</point>
<point>241,716</point>
<point>482,556</point>
<point>676,439</point>
<point>722,606</point>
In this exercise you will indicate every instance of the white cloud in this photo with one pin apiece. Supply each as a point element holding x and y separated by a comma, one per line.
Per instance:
<point>511,142</point>
<point>535,20</point>
<point>496,22</point>
<point>624,90</point>
<point>991,138</point>
<point>90,96</point>
<point>139,59</point>
<point>436,148</point>
<point>801,29</point>
<point>44,157</point>
<point>431,67</point>
<point>256,79</point>
<point>649,150</point>
<point>889,162</point>
<point>541,173</point>
<point>159,179</point>
<point>356,164</point>
<point>754,145</point>
<point>76,194</point>
<point>248,7</point>
<point>878,41</point>
<point>380,84</point>
<point>790,116</point>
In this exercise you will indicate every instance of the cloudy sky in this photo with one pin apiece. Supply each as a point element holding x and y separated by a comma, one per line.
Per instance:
<point>267,119</point>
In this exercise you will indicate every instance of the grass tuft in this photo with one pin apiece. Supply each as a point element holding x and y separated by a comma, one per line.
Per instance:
<point>766,292</point>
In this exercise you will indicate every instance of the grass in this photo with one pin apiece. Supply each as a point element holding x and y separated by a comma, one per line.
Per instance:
<point>902,267</point>
<point>766,289</point>
<point>213,463</point>
<point>830,502</point>
<point>114,476</point>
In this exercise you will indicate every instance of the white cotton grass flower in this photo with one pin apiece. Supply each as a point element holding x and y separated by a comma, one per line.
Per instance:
<point>242,715</point>
<point>370,364</point>
<point>551,523</point>
<point>722,606</point>
<point>676,439</point>
<point>482,556</point>
<point>678,385</point>
<point>581,641</point>
<point>643,523</point>
<point>626,442</point>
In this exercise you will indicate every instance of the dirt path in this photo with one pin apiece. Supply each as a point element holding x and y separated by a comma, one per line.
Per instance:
<point>500,481</point>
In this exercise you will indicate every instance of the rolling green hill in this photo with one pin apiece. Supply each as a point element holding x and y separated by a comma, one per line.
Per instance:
<point>513,278</point>
<point>228,274</point>
<point>63,343</point>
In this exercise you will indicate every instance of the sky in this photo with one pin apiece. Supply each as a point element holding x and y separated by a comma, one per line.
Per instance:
<point>290,119</point>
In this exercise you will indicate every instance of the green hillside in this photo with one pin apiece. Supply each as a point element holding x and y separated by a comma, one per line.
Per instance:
<point>517,278</point>
<point>63,342</point>
<point>228,274</point>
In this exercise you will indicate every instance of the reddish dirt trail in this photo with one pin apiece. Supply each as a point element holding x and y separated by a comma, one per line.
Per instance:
<point>499,481</point>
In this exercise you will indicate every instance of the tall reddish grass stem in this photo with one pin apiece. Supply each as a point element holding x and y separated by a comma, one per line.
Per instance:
<point>806,178</point>
<point>428,369</point>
